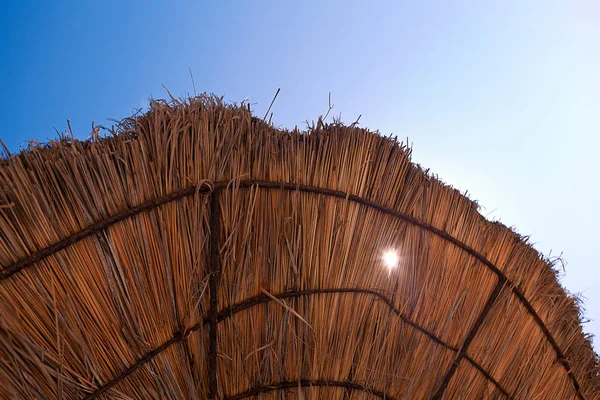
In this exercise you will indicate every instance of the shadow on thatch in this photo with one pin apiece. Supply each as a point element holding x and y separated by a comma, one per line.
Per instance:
<point>198,252</point>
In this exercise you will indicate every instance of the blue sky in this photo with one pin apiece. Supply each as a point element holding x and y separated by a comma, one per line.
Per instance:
<point>500,98</point>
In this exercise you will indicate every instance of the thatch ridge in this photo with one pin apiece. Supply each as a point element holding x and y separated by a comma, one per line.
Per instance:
<point>148,158</point>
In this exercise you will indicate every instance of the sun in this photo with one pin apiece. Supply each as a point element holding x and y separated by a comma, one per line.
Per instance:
<point>390,259</point>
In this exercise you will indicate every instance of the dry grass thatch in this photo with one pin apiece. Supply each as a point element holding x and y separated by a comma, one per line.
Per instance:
<point>201,253</point>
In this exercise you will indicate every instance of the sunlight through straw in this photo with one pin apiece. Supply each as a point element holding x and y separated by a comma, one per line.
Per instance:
<point>390,259</point>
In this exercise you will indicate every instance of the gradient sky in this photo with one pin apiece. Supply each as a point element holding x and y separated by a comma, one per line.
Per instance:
<point>500,98</point>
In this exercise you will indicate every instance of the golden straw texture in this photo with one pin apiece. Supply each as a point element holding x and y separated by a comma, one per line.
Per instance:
<point>198,252</point>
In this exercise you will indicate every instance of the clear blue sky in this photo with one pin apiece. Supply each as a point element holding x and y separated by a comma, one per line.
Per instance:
<point>501,98</point>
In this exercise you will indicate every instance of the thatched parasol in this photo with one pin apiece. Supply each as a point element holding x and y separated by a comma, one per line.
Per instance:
<point>201,253</point>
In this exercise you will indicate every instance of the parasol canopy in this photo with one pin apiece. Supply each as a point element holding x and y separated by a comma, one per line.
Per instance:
<point>199,252</point>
